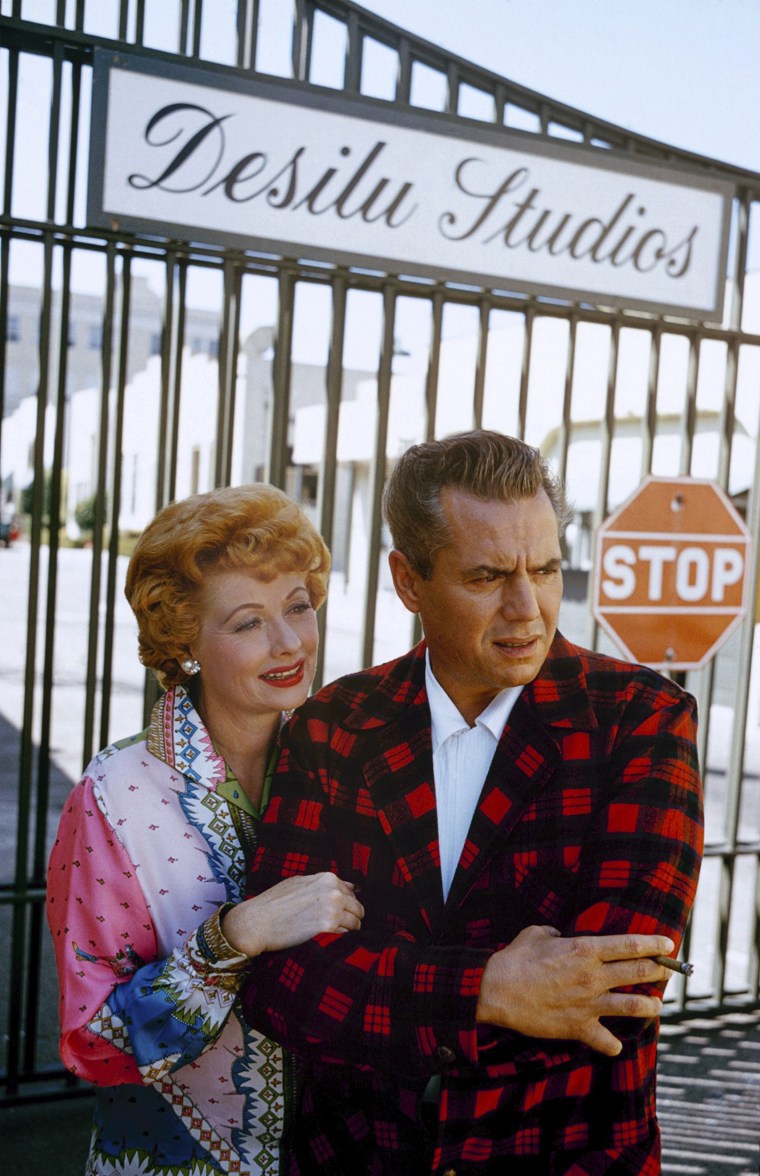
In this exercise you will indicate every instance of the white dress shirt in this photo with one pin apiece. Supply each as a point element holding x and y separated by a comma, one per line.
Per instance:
<point>461,758</point>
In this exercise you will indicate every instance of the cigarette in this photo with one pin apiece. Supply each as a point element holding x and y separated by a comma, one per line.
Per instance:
<point>674,965</point>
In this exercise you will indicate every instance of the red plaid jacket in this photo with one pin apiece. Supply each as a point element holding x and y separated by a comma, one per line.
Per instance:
<point>589,820</point>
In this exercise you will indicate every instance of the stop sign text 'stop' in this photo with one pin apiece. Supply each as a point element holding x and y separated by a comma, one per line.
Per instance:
<point>670,575</point>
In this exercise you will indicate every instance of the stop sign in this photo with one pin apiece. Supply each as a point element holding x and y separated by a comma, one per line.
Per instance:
<point>670,572</point>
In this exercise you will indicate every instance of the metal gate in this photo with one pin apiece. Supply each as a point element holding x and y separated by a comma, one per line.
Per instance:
<point>138,369</point>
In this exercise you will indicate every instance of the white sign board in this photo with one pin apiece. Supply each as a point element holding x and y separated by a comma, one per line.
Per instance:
<point>272,167</point>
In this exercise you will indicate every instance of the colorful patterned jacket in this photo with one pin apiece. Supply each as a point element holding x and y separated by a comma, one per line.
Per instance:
<point>149,848</point>
<point>589,820</point>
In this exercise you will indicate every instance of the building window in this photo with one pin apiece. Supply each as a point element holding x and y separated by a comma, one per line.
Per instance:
<point>14,328</point>
<point>95,336</point>
<point>155,343</point>
<point>201,346</point>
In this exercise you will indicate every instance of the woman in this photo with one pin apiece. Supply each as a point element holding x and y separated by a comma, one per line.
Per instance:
<point>146,878</point>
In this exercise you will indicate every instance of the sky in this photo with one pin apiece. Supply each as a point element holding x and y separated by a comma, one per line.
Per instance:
<point>681,71</point>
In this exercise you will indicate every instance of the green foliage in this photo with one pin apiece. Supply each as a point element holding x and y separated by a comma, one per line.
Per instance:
<point>84,514</point>
<point>27,497</point>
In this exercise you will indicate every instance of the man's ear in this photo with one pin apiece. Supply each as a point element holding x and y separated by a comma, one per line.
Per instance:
<point>405,580</point>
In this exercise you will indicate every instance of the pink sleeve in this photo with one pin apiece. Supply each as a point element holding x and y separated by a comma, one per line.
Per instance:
<point>102,932</point>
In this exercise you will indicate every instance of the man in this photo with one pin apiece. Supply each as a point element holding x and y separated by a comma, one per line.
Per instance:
<point>522,821</point>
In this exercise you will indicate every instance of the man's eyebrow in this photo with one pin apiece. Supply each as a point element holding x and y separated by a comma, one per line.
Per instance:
<point>505,569</point>
<point>488,570</point>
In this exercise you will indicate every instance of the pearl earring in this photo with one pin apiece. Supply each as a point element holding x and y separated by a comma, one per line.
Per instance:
<point>190,665</point>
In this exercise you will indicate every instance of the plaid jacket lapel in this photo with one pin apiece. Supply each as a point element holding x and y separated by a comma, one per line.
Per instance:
<point>526,759</point>
<point>398,769</point>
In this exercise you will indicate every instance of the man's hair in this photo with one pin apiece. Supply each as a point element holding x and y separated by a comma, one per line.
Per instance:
<point>483,463</point>
<point>255,527</point>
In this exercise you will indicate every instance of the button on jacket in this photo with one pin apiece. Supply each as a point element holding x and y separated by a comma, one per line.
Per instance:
<point>589,820</point>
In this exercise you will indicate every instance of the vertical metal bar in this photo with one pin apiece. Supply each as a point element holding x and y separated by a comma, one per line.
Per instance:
<point>452,88</point>
<point>404,69</point>
<point>301,43</point>
<point>254,34</point>
<point>76,97</point>
<point>739,731</point>
<point>328,471</point>
<point>54,129</point>
<point>352,68</point>
<point>741,696</point>
<point>567,400</point>
<point>431,398</point>
<point>706,685</point>
<point>735,771</point>
<point>48,670</point>
<point>609,422</point>
<point>728,418</point>
<point>176,361</point>
<point>607,431</point>
<point>228,358</point>
<point>650,411</point>
<point>124,21</point>
<point>139,22</point>
<point>39,852</point>
<point>5,241</point>
<point>116,479</point>
<point>434,366</point>
<point>4,304</point>
<point>334,393</point>
<point>377,475</point>
<point>732,356</point>
<point>161,476</point>
<point>754,963</point>
<point>281,365</point>
<point>17,953</point>
<point>480,365</point>
<point>522,408</point>
<point>94,693</point>
<point>499,104</point>
<point>171,380</point>
<point>197,29</point>
<point>690,407</point>
<point>34,960</point>
<point>184,28</point>
<point>242,36</point>
<point>10,131</point>
<point>686,954</point>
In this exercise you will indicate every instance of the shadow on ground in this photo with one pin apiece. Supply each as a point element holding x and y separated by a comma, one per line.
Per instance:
<point>45,1139</point>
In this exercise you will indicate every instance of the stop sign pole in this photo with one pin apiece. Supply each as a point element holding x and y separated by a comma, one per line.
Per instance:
<point>670,573</point>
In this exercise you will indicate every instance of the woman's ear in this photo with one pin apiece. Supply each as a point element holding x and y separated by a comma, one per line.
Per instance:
<point>405,580</point>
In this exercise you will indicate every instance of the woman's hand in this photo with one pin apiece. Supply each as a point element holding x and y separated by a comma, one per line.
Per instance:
<point>291,912</point>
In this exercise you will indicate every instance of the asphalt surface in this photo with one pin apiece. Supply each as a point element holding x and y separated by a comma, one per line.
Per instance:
<point>708,1101</point>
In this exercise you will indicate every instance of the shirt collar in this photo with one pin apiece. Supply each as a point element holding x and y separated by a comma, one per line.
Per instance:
<point>446,719</point>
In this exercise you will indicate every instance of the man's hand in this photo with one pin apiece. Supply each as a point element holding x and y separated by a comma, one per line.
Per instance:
<point>542,985</point>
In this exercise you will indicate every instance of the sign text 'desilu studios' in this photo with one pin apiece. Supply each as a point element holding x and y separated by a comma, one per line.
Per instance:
<point>278,168</point>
